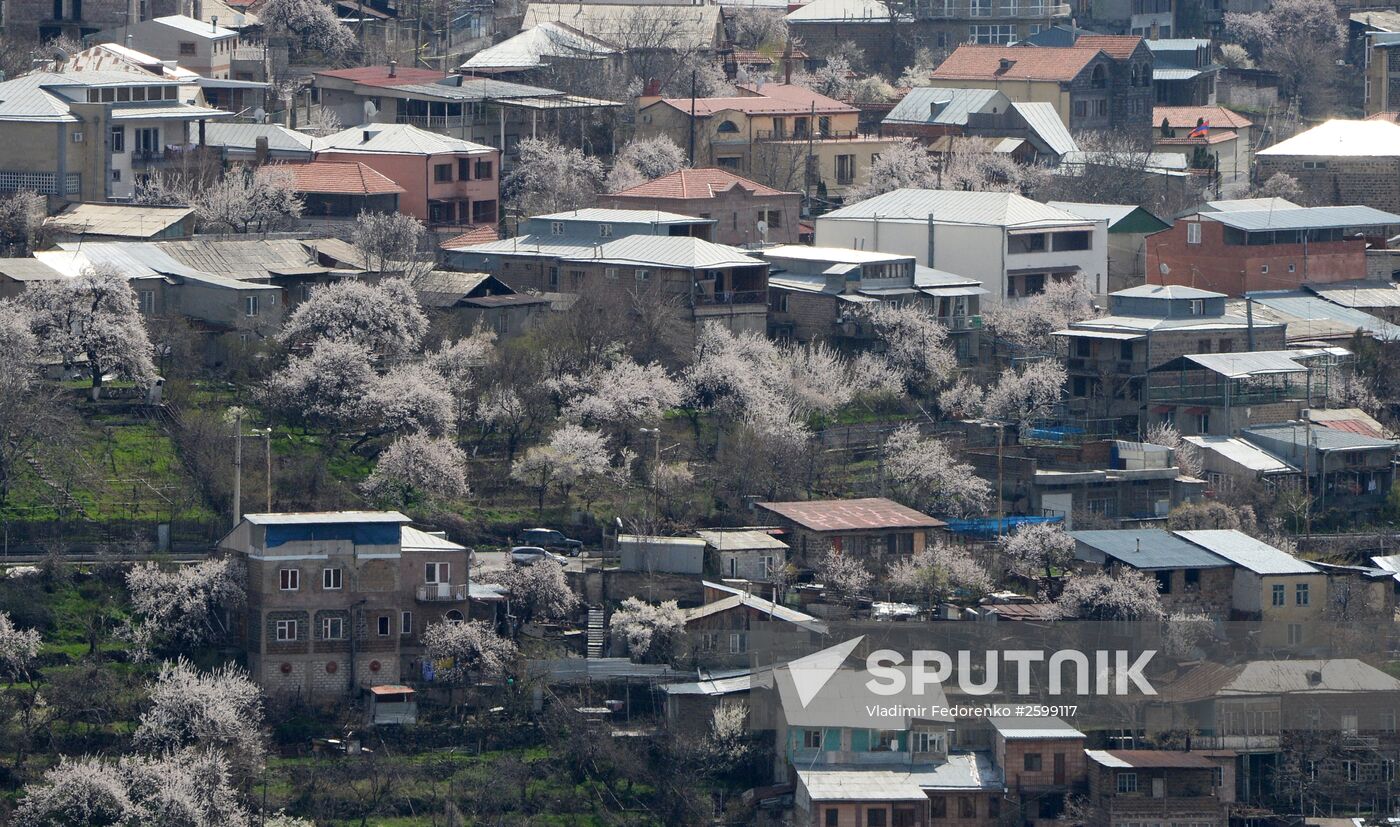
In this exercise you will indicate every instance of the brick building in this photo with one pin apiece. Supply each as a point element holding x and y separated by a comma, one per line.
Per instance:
<point>337,600</point>
<point>1132,787</point>
<point>1042,760</point>
<point>744,211</point>
<point>871,529</point>
<point>1340,162</point>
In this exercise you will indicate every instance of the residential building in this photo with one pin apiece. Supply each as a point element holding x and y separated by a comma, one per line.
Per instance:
<point>1379,297</point>
<point>119,222</point>
<point>1102,82</point>
<point>1148,18</point>
<point>1237,251</point>
<point>1130,787</point>
<point>1128,228</point>
<point>1341,162</point>
<point>460,303</point>
<point>91,135</point>
<point>337,189</point>
<point>1374,35</point>
<point>1289,595</point>
<point>718,630</point>
<point>1042,761</point>
<point>202,47</point>
<point>479,110</point>
<point>259,143</point>
<point>680,27</point>
<point>444,180</point>
<point>337,600</point>
<point>1010,244</point>
<point>1230,463</point>
<point>1189,578</point>
<point>1184,71</point>
<point>817,293</point>
<point>534,51</point>
<point>751,554</point>
<point>929,113</point>
<point>1347,473</point>
<point>744,212</point>
<point>779,134</point>
<point>871,529</point>
<point>1223,146</point>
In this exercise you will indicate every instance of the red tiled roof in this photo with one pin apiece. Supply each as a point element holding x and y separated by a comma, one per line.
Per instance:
<point>866,514</point>
<point>337,178</point>
<point>476,235</point>
<point>1188,116</point>
<point>1116,46</point>
<point>770,99</point>
<point>696,183</point>
<point>1216,136</point>
<point>379,75</point>
<point>974,62</point>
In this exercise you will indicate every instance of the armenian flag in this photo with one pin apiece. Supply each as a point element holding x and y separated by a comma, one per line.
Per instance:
<point>1202,130</point>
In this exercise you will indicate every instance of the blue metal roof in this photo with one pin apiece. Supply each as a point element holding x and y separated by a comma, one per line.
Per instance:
<point>1146,549</point>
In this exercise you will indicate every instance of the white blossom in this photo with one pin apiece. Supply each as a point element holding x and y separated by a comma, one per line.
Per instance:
<point>418,468</point>
<point>905,164</point>
<point>571,454</point>
<point>926,474</point>
<point>1186,455</point>
<point>384,319</point>
<point>93,316</point>
<point>625,395</point>
<point>1039,549</point>
<point>1024,395</point>
<point>550,178</point>
<point>844,574</point>
<point>187,788</point>
<point>652,631</point>
<point>645,159</point>
<point>186,605</point>
<point>1029,323</point>
<point>539,591</point>
<point>308,24</point>
<point>391,242</point>
<point>914,344</point>
<point>18,648</point>
<point>1130,595</point>
<point>934,573</point>
<point>219,710</point>
<point>474,649</point>
<point>412,398</point>
<point>325,387</point>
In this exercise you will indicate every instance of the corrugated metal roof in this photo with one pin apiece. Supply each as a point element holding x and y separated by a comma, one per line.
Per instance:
<point>1167,291</point>
<point>1114,335</point>
<point>968,771</point>
<point>245,136</point>
<point>867,513</point>
<point>1304,218</point>
<point>926,278</point>
<point>128,220</point>
<point>533,245</point>
<point>1342,138</point>
<point>582,670</point>
<point>1146,549</point>
<point>940,105</point>
<point>1358,293</point>
<point>167,111</point>
<point>1149,759</point>
<point>1230,204</point>
<point>1017,727</point>
<point>833,254</point>
<point>548,39</point>
<point>1112,213</point>
<point>397,138</point>
<point>1047,124</point>
<point>1305,306</point>
<point>683,252</point>
<point>1246,552</point>
<point>28,269</point>
<point>691,27</point>
<point>1001,209</point>
<point>325,517</point>
<point>1242,453</point>
<point>605,215</point>
<point>444,288</point>
<point>1250,363</point>
<point>1272,677</point>
<point>196,27</point>
<point>741,539</point>
<point>250,259</point>
<point>842,11</point>
<point>412,539</point>
<point>1170,73</point>
<point>1321,438</point>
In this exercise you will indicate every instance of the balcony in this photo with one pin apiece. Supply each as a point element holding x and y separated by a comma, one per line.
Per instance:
<point>445,592</point>
<point>802,135</point>
<point>728,297</point>
<point>956,10</point>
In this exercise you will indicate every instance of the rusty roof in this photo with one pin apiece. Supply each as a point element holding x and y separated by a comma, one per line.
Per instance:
<point>1186,117</point>
<point>865,514</point>
<point>1149,759</point>
<point>475,235</point>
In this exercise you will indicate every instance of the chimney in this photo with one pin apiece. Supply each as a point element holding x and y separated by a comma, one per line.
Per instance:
<point>365,136</point>
<point>261,150</point>
<point>1155,33</point>
<point>393,68</point>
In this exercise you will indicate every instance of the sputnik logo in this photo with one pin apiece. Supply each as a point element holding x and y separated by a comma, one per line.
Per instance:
<point>812,672</point>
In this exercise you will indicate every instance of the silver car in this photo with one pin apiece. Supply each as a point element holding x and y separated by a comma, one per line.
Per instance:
<point>529,555</point>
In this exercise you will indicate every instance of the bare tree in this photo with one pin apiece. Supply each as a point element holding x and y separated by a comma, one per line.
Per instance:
<point>1301,40</point>
<point>392,243</point>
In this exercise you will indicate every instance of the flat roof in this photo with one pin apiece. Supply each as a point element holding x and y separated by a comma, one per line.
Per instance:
<point>1148,549</point>
<point>325,517</point>
<point>1017,727</point>
<point>1339,138</point>
<point>863,514</point>
<point>835,254</point>
<point>1304,218</point>
<point>741,539</point>
<point>1149,759</point>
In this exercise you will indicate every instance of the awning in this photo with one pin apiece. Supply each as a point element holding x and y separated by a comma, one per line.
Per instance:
<point>1196,411</point>
<point>889,291</point>
<point>1162,409</point>
<point>1027,271</point>
<point>1100,334</point>
<point>956,291</point>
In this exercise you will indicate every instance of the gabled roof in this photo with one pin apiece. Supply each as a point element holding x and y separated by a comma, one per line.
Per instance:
<point>1279,677</point>
<point>397,139</point>
<point>1186,117</point>
<point>1342,138</point>
<point>706,182</point>
<point>1167,291</point>
<point>1048,127</point>
<point>1314,316</point>
<point>245,136</point>
<point>118,58</point>
<point>765,99</point>
<point>690,26</point>
<point>379,75</point>
<point>1320,438</point>
<point>1242,205</point>
<point>412,539</point>
<point>341,178</point>
<point>681,252</point>
<point>979,62</point>
<point>1111,213</point>
<point>1017,728</point>
<point>844,11</point>
<point>527,49</point>
<point>608,215</point>
<point>1116,46</point>
<point>738,597</point>
<point>1246,552</point>
<point>44,96</point>
<point>1000,209</point>
<point>1147,549</point>
<point>1242,453</point>
<point>476,235</point>
<point>939,105</point>
<point>864,514</point>
<point>121,220</point>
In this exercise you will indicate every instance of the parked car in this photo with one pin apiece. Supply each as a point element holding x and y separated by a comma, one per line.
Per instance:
<point>552,540</point>
<point>529,555</point>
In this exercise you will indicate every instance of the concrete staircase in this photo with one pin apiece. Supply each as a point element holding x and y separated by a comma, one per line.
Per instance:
<point>597,632</point>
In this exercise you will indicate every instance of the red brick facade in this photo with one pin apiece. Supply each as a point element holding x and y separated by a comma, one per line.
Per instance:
<point>1235,269</point>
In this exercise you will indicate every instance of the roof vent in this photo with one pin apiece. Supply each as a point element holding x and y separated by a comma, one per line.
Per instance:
<point>393,68</point>
<point>1314,677</point>
<point>213,23</point>
<point>1005,63</point>
<point>365,136</point>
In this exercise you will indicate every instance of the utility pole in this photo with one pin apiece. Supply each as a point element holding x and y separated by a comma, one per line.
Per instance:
<point>1001,501</point>
<point>269,469</point>
<point>692,116</point>
<point>237,465</point>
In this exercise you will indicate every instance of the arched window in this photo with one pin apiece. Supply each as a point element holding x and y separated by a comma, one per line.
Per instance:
<point>728,127</point>
<point>453,616</point>
<point>1099,79</point>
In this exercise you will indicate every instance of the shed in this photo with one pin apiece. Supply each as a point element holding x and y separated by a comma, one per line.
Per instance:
<point>393,704</point>
<point>674,555</point>
<point>130,222</point>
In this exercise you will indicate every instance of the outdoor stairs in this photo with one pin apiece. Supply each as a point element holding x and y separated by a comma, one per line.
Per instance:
<point>597,634</point>
<point>66,500</point>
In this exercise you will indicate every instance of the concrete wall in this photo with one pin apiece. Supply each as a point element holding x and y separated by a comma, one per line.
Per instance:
<point>1374,182</point>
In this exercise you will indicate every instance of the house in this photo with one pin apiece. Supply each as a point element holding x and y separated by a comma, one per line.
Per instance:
<point>1189,578</point>
<point>459,303</point>
<point>259,143</point>
<point>547,45</point>
<point>1345,472</point>
<point>690,706</point>
<point>719,629</point>
<point>1309,319</point>
<point>1102,82</point>
<point>114,57</point>
<point>1042,760</point>
<point>337,600</point>
<point>1109,358</point>
<point>1010,244</point>
<point>745,212</point>
<point>1230,463</point>
<point>1184,71</point>
<point>1128,787</point>
<point>202,47</point>
<point>767,132</point>
<point>673,555</point>
<point>1238,251</point>
<point>339,189</point>
<point>817,293</point>
<point>751,554</point>
<point>477,110</point>
<point>1128,228</point>
<point>1270,585</point>
<point>928,113</point>
<point>16,274</point>
<point>444,180</point>
<point>1374,36</point>
<point>872,528</point>
<point>684,28</point>
<point>1341,162</point>
<point>1209,137</point>
<point>89,136</point>
<point>119,222</point>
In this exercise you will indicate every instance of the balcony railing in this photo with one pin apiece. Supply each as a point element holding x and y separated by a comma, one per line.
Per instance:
<point>802,135</point>
<point>936,9</point>
<point>724,297</point>
<point>429,592</point>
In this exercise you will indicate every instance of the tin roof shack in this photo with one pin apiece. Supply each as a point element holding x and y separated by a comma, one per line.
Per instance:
<point>1379,297</point>
<point>1042,760</point>
<point>458,303</point>
<point>337,599</point>
<point>1270,585</point>
<point>1108,358</point>
<point>1346,473</point>
<point>670,555</point>
<point>1222,393</point>
<point>752,554</point>
<point>1128,228</point>
<point>1189,578</point>
<point>690,706</point>
<point>719,629</point>
<point>1127,787</point>
<point>872,529</point>
<point>1230,463</point>
<point>393,704</point>
<point>119,222</point>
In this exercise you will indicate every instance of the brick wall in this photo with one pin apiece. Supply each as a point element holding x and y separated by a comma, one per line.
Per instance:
<point>1374,182</point>
<point>1235,269</point>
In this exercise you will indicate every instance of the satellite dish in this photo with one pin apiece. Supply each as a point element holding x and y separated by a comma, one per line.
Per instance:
<point>60,56</point>
<point>762,227</point>
<point>370,111</point>
<point>259,115</point>
<point>1164,269</point>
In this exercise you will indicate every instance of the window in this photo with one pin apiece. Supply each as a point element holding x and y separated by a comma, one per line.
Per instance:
<point>289,579</point>
<point>1193,234</point>
<point>1072,241</point>
<point>250,305</point>
<point>996,35</point>
<point>610,272</point>
<point>967,806</point>
<point>437,573</point>
<point>118,140</point>
<point>330,579</point>
<point>442,173</point>
<point>147,142</point>
<point>1127,782</point>
<point>641,275</point>
<point>554,277</point>
<point>147,300</point>
<point>728,128</point>
<point>453,617</point>
<point>186,49</point>
<point>1279,594</point>
<point>1387,769</point>
<point>875,818</point>
<point>1300,594</point>
<point>385,626</point>
<point>556,228</point>
<point>406,623</point>
<point>1164,582</point>
<point>833,815</point>
<point>728,161</point>
<point>1031,762</point>
<point>116,175</point>
<point>484,170</point>
<point>845,169</point>
<point>286,630</point>
<point>1193,580</point>
<point>1026,243</point>
<point>738,642</point>
<point>925,741</point>
<point>605,230</point>
<point>1295,634</point>
<point>773,218</point>
<point>1350,768</point>
<point>938,807</point>
<point>1388,721</point>
<point>1314,165</point>
<point>332,628</point>
<point>811,739</point>
<point>1081,109</point>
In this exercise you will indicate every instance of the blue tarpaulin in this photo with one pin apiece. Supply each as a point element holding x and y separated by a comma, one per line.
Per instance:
<point>361,534</point>
<point>991,527</point>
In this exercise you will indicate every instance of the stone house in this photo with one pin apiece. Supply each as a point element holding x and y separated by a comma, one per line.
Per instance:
<point>871,529</point>
<point>1345,472</point>
<point>1340,162</point>
<point>751,554</point>
<point>1128,787</point>
<point>203,48</point>
<point>337,600</point>
<point>719,629</point>
<point>1271,585</point>
<point>1042,761</point>
<point>744,212</point>
<point>1189,578</point>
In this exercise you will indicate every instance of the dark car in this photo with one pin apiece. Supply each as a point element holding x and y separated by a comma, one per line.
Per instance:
<point>551,539</point>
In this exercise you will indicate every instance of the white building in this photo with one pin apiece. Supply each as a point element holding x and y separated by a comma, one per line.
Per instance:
<point>1011,244</point>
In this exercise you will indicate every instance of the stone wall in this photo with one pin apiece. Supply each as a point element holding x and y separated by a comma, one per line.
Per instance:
<point>1374,182</point>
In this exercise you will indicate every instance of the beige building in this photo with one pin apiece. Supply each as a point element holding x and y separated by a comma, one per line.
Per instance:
<point>337,600</point>
<point>205,48</point>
